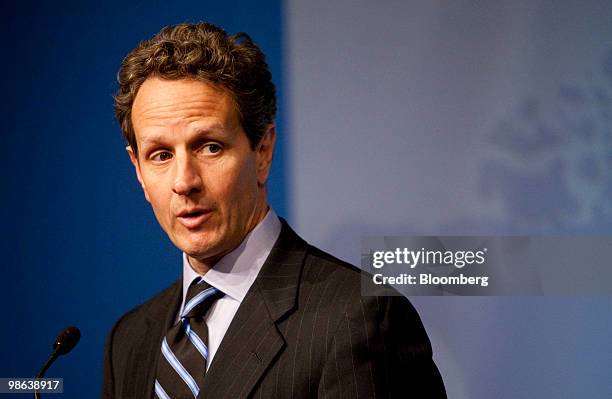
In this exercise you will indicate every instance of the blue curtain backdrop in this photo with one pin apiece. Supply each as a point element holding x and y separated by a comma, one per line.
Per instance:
<point>80,245</point>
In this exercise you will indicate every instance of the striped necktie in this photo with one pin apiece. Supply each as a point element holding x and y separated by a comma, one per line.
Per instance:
<point>184,351</point>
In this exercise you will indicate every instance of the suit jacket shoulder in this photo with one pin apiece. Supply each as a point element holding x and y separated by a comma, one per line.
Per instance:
<point>305,331</point>
<point>133,344</point>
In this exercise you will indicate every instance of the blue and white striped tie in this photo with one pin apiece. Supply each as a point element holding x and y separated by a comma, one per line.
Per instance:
<point>184,351</point>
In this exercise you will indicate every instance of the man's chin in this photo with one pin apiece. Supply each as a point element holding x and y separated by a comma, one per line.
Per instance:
<point>199,253</point>
<point>202,252</point>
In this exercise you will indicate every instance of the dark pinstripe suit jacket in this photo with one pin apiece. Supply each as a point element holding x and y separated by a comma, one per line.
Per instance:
<point>302,331</point>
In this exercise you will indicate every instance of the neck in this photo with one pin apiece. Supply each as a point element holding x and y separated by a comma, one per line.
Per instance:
<point>201,267</point>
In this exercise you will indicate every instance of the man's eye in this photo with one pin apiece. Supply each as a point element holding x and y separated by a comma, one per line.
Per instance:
<point>212,148</point>
<point>161,156</point>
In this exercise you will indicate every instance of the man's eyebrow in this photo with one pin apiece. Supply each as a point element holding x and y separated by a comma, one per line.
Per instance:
<point>213,130</point>
<point>152,139</point>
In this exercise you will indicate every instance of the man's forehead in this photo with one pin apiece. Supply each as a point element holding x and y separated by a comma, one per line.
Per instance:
<point>169,102</point>
<point>158,92</point>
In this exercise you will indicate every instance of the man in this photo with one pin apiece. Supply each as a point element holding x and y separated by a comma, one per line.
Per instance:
<point>258,312</point>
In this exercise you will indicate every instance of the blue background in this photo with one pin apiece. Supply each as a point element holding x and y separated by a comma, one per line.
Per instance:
<point>80,244</point>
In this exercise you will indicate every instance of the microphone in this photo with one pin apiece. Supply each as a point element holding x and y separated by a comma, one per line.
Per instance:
<point>64,343</point>
<point>66,340</point>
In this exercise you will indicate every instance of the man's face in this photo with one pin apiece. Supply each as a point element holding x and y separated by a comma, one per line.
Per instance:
<point>197,168</point>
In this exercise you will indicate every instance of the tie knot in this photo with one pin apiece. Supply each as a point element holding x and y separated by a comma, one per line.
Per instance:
<point>200,296</point>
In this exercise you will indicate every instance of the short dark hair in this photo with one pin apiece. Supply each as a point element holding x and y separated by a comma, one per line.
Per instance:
<point>204,52</point>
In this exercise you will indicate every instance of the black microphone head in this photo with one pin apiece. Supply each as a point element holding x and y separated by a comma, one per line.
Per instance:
<point>66,340</point>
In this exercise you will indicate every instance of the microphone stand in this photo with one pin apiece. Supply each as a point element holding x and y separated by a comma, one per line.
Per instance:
<point>44,369</point>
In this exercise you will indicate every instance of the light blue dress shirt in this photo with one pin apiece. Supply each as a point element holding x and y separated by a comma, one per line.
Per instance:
<point>233,275</point>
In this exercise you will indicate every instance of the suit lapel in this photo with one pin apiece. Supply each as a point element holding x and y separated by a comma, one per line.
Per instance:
<point>253,340</point>
<point>143,361</point>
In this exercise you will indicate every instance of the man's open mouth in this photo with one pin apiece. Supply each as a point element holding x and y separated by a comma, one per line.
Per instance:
<point>192,214</point>
<point>193,218</point>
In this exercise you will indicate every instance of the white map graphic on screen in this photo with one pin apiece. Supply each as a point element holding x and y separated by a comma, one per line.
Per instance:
<point>550,162</point>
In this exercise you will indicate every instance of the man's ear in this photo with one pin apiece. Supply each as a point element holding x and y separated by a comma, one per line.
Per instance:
<point>264,151</point>
<point>134,160</point>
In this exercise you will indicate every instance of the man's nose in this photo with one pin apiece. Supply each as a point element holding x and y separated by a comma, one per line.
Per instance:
<point>187,179</point>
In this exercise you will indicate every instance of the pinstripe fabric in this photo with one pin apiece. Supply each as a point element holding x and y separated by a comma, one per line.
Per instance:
<point>305,331</point>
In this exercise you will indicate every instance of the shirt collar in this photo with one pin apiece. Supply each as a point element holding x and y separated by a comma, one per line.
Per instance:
<point>235,272</point>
